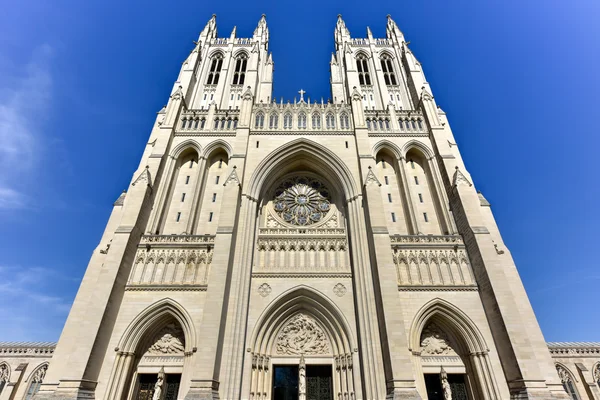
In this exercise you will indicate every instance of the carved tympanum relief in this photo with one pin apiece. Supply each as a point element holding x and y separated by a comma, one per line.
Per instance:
<point>302,335</point>
<point>435,342</point>
<point>170,340</point>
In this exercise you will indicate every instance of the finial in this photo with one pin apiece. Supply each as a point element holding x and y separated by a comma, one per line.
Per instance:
<point>214,15</point>
<point>389,16</point>
<point>263,15</point>
<point>340,16</point>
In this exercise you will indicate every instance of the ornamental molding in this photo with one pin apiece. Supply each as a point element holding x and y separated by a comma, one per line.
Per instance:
<point>574,349</point>
<point>143,177</point>
<point>233,178</point>
<point>437,288</point>
<point>264,290</point>
<point>288,275</point>
<point>169,340</point>
<point>166,288</point>
<point>176,240</point>
<point>39,375</point>
<point>303,244</point>
<point>435,342</point>
<point>302,336</point>
<point>371,178</point>
<point>427,241</point>
<point>27,349</point>
<point>563,374</point>
<point>339,290</point>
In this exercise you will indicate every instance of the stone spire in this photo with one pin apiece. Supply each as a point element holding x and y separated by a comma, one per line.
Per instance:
<point>392,30</point>
<point>342,34</point>
<point>210,30</point>
<point>262,31</point>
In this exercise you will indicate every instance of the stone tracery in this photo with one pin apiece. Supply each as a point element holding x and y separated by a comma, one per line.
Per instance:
<point>301,201</point>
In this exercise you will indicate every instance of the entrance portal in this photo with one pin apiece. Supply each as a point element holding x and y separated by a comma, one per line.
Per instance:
<point>146,386</point>
<point>319,384</point>
<point>285,382</point>
<point>457,383</point>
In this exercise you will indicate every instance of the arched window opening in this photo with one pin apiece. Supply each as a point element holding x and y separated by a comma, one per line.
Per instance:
<point>196,123</point>
<point>222,123</point>
<point>239,74</point>
<point>316,121</point>
<point>381,123</point>
<point>302,121</point>
<point>4,376</point>
<point>388,70</point>
<point>387,124</point>
<point>287,121</point>
<point>202,123</point>
<point>215,69</point>
<point>368,123</point>
<point>374,124</point>
<point>259,121</point>
<point>235,123</point>
<point>567,381</point>
<point>363,70</point>
<point>330,120</point>
<point>216,123</point>
<point>36,381</point>
<point>229,120</point>
<point>401,123</point>
<point>183,122</point>
<point>273,121</point>
<point>420,123</point>
<point>345,121</point>
<point>414,125</point>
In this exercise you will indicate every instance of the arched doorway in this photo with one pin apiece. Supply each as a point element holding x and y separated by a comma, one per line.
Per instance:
<point>302,349</point>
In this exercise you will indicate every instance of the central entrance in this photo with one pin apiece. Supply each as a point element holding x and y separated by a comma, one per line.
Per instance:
<point>287,383</point>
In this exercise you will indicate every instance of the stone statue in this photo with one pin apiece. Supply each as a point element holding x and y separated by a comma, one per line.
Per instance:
<point>445,385</point>
<point>302,379</point>
<point>158,386</point>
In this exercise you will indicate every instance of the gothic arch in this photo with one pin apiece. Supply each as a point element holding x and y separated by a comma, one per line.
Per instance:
<point>4,375</point>
<point>386,144</point>
<point>215,53</point>
<point>152,317</point>
<point>420,146</point>
<point>215,145</point>
<point>35,370</point>
<point>302,299</point>
<point>386,53</point>
<point>362,53</point>
<point>452,318</point>
<point>240,53</point>
<point>469,342</point>
<point>297,151</point>
<point>182,147</point>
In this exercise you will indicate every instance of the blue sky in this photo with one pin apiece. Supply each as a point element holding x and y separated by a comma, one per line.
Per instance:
<point>81,81</point>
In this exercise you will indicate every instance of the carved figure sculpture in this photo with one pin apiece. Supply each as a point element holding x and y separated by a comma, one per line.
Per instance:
<point>302,379</point>
<point>168,341</point>
<point>445,385</point>
<point>434,341</point>
<point>160,381</point>
<point>302,335</point>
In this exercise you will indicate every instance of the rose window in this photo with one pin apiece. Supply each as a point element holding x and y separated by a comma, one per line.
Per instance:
<point>301,201</point>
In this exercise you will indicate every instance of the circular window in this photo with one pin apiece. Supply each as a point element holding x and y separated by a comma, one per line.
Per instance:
<point>301,201</point>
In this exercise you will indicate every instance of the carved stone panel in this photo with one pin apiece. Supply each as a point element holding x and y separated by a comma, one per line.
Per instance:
<point>434,342</point>
<point>170,340</point>
<point>302,335</point>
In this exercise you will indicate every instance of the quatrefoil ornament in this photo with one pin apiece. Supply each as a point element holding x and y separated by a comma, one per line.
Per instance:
<point>264,290</point>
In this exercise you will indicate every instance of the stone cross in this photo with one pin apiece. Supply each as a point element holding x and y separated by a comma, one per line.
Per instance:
<point>301,95</point>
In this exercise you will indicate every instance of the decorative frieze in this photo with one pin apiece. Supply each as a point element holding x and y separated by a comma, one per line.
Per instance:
<point>432,267</point>
<point>28,349</point>
<point>578,349</point>
<point>177,240</point>
<point>187,266</point>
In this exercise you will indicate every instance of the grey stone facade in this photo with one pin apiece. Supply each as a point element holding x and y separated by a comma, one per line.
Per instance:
<point>346,234</point>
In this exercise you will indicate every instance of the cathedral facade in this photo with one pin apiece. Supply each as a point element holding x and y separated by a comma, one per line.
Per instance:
<point>302,250</point>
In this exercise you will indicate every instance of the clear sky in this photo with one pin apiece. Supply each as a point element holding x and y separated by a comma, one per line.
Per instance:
<point>81,81</point>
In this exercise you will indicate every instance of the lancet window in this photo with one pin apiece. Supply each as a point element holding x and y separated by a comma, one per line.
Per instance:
<point>36,381</point>
<point>215,69</point>
<point>567,382</point>
<point>4,376</point>
<point>388,70</point>
<point>302,121</point>
<point>287,121</point>
<point>330,121</point>
<point>316,121</point>
<point>344,121</point>
<point>259,121</point>
<point>363,70</point>
<point>239,73</point>
<point>273,121</point>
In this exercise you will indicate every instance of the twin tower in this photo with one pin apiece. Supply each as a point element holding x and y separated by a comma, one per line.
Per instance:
<point>305,250</point>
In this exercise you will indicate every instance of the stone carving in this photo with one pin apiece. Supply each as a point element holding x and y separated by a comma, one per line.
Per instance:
<point>143,177</point>
<point>160,381</point>
<point>301,335</point>
<point>432,267</point>
<point>434,341</point>
<point>4,373</point>
<point>445,385</point>
<point>339,290</point>
<point>564,376</point>
<point>168,341</point>
<point>264,290</point>
<point>371,178</point>
<point>233,178</point>
<point>39,374</point>
<point>301,201</point>
<point>302,379</point>
<point>596,373</point>
<point>459,178</point>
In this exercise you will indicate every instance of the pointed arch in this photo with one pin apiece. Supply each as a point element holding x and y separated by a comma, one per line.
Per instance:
<point>307,300</point>
<point>161,311</point>
<point>420,146</point>
<point>35,380</point>
<point>4,375</point>
<point>568,380</point>
<point>328,163</point>
<point>386,144</point>
<point>185,145</point>
<point>452,319</point>
<point>215,145</point>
